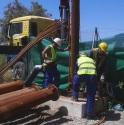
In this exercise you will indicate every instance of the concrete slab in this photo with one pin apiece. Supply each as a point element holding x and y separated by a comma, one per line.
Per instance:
<point>75,109</point>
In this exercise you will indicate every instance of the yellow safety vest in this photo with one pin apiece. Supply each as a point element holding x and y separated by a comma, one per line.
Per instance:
<point>86,66</point>
<point>53,52</point>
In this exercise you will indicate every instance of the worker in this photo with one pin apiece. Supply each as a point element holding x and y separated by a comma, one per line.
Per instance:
<point>85,72</point>
<point>49,56</point>
<point>100,56</point>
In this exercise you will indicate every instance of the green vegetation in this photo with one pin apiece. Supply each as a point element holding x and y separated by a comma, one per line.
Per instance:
<point>2,61</point>
<point>8,75</point>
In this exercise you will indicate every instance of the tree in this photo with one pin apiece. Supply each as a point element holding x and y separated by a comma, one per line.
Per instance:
<point>16,9</point>
<point>38,10</point>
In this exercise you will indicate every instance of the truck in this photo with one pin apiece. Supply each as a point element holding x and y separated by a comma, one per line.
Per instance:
<point>17,34</point>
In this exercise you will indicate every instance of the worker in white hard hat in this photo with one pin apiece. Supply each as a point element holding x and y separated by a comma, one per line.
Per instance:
<point>49,56</point>
<point>85,72</point>
<point>100,56</point>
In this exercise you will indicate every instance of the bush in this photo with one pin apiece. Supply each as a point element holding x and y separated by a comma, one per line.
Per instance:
<point>7,77</point>
<point>3,60</point>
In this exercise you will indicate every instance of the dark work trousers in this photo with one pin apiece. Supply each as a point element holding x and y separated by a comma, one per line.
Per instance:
<point>52,72</point>
<point>91,85</point>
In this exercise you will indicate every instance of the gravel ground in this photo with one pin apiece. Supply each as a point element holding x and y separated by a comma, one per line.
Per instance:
<point>43,115</point>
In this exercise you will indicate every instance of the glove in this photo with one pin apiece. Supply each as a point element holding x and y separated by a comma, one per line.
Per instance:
<point>102,79</point>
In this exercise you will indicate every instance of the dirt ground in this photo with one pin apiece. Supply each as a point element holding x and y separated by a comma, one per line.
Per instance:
<point>43,115</point>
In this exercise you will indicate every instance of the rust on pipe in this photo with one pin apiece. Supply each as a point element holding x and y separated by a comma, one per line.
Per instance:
<point>11,86</point>
<point>8,96</point>
<point>74,35</point>
<point>18,97</point>
<point>33,99</point>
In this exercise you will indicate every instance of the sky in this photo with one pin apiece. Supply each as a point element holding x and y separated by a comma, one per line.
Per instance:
<point>106,15</point>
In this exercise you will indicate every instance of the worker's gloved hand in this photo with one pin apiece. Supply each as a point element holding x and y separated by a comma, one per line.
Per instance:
<point>102,79</point>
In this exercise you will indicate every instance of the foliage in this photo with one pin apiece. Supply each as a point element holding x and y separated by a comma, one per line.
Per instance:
<point>16,9</point>
<point>7,77</point>
<point>2,61</point>
<point>2,64</point>
<point>38,10</point>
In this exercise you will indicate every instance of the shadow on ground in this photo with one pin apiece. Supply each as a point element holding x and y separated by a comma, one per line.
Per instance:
<point>37,116</point>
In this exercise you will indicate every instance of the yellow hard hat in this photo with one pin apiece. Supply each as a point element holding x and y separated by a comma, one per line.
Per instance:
<point>103,46</point>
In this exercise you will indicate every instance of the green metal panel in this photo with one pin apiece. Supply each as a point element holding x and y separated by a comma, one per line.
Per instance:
<point>115,71</point>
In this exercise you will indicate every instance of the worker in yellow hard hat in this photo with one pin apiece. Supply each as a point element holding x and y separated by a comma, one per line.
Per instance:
<point>100,56</point>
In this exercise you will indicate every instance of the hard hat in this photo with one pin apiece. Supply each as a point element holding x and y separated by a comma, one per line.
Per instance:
<point>82,54</point>
<point>103,46</point>
<point>58,41</point>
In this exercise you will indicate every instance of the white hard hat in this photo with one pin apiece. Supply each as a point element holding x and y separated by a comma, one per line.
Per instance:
<point>58,41</point>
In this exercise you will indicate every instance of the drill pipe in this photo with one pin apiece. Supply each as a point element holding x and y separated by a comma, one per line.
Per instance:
<point>11,86</point>
<point>10,95</point>
<point>33,99</point>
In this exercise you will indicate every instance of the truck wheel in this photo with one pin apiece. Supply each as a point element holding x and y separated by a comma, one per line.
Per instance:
<point>19,71</point>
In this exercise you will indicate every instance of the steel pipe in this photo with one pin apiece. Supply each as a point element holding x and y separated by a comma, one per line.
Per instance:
<point>16,98</point>
<point>74,35</point>
<point>8,96</point>
<point>11,86</point>
<point>33,99</point>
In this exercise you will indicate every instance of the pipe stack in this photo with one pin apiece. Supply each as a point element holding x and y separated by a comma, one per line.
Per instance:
<point>24,102</point>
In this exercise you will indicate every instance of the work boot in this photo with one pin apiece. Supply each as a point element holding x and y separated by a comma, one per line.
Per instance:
<point>74,98</point>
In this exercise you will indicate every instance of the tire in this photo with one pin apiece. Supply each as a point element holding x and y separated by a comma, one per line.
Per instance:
<point>19,71</point>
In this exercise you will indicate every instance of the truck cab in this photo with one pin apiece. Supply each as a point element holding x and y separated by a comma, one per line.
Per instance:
<point>19,29</point>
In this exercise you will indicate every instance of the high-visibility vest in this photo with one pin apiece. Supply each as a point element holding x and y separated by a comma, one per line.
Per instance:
<point>53,52</point>
<point>95,57</point>
<point>86,66</point>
